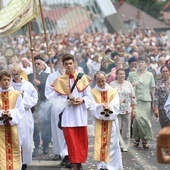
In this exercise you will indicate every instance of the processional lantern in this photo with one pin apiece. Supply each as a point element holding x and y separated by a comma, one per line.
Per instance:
<point>5,117</point>
<point>163,146</point>
<point>9,54</point>
<point>106,112</point>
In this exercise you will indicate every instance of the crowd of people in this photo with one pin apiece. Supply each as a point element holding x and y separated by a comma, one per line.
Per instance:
<point>119,79</point>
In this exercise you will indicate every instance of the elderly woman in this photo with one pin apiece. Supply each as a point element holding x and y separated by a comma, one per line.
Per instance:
<point>127,107</point>
<point>161,94</point>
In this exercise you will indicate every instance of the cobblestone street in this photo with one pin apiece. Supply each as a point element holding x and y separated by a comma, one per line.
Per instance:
<point>134,159</point>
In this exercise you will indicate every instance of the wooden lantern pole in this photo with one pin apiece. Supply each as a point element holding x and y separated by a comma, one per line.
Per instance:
<point>45,34</point>
<point>31,48</point>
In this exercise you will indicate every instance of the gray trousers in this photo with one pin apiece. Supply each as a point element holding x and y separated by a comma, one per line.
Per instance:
<point>124,126</point>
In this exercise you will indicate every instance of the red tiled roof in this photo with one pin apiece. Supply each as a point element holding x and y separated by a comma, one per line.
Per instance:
<point>76,18</point>
<point>129,12</point>
<point>55,14</point>
<point>81,26</point>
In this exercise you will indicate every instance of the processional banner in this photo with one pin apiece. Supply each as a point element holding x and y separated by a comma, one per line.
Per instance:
<point>16,14</point>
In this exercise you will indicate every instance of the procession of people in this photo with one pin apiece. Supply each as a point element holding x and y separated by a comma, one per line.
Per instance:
<point>120,80</point>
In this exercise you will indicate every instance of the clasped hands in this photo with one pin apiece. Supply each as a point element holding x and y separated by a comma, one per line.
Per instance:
<point>74,101</point>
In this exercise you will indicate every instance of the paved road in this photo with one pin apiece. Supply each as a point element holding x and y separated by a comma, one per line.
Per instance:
<point>134,159</point>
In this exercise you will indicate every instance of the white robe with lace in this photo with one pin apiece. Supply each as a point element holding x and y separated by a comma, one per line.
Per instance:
<point>59,144</point>
<point>29,99</point>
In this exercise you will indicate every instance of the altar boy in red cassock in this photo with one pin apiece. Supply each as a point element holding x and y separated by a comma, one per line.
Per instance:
<point>74,118</point>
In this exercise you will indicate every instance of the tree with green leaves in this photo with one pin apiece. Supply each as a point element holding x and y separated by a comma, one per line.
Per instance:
<point>151,7</point>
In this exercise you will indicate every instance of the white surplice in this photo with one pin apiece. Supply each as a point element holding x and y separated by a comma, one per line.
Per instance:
<point>77,115</point>
<point>59,144</point>
<point>29,99</point>
<point>115,153</point>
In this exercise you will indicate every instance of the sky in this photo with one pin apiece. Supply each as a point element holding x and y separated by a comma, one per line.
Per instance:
<point>5,2</point>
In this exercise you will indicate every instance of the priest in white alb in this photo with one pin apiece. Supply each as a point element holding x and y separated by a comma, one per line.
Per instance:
<point>107,152</point>
<point>11,113</point>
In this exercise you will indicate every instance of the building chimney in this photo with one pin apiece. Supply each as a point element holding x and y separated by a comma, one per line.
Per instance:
<point>139,14</point>
<point>121,2</point>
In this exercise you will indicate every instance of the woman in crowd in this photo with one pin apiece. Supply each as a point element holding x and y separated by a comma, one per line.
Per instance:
<point>144,88</point>
<point>161,94</point>
<point>127,106</point>
<point>112,75</point>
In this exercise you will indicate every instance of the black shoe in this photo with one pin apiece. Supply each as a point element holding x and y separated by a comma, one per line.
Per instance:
<point>74,167</point>
<point>136,143</point>
<point>57,158</point>
<point>24,167</point>
<point>65,162</point>
<point>79,166</point>
<point>45,150</point>
<point>145,145</point>
<point>35,153</point>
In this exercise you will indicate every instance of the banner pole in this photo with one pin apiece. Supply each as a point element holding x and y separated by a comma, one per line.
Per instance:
<point>45,34</point>
<point>31,48</point>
